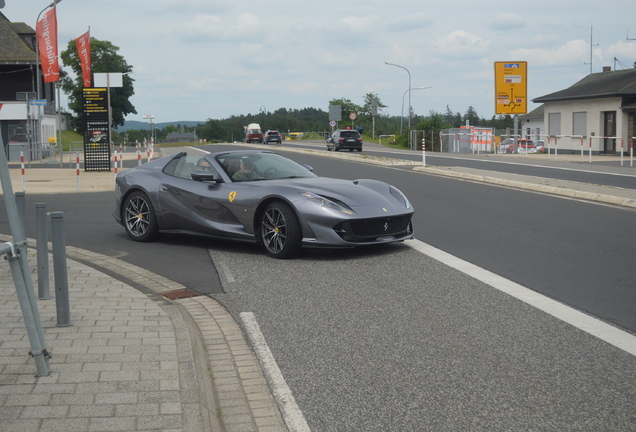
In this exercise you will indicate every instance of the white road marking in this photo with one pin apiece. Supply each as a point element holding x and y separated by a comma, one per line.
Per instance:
<point>292,415</point>
<point>196,148</point>
<point>222,268</point>
<point>582,321</point>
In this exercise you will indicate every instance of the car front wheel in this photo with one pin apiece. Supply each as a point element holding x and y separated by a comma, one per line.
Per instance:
<point>139,218</point>
<point>280,231</point>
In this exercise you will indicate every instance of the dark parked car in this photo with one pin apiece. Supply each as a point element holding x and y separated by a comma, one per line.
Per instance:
<point>345,139</point>
<point>258,197</point>
<point>272,136</point>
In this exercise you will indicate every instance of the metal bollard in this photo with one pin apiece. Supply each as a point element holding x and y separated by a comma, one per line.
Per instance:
<point>43,251</point>
<point>20,202</point>
<point>59,269</point>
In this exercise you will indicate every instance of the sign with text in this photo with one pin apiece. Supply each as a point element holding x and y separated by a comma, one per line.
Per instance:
<point>335,112</point>
<point>96,131</point>
<point>511,87</point>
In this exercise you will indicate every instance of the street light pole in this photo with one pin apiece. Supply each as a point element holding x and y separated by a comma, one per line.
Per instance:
<point>37,50</point>
<point>37,71</point>
<point>409,90</point>
<point>414,88</point>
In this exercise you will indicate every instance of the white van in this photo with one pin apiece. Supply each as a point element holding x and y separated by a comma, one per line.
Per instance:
<point>253,133</point>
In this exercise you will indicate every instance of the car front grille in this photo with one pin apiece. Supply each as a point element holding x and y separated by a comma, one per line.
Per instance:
<point>371,229</point>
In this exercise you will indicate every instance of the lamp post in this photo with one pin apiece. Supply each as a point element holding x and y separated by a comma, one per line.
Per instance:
<point>37,70</point>
<point>402,117</point>
<point>263,111</point>
<point>409,91</point>
<point>37,51</point>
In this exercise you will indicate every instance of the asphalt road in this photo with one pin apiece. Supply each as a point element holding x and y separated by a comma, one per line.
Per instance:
<point>583,172</point>
<point>577,252</point>
<point>390,339</point>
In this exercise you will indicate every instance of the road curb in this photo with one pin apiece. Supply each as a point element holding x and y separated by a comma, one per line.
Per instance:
<point>535,187</point>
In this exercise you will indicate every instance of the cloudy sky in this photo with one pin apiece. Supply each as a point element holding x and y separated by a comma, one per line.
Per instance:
<point>200,59</point>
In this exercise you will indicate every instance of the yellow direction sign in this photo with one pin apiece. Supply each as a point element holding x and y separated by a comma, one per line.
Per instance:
<point>511,87</point>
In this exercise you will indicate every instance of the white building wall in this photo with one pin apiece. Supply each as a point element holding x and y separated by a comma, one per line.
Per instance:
<point>594,109</point>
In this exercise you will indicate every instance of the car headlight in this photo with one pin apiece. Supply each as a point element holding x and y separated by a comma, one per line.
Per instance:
<point>324,202</point>
<point>399,195</point>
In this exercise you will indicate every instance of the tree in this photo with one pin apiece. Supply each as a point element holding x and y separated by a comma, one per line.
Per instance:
<point>434,121</point>
<point>472,116</point>
<point>454,119</point>
<point>104,58</point>
<point>212,130</point>
<point>347,107</point>
<point>368,102</point>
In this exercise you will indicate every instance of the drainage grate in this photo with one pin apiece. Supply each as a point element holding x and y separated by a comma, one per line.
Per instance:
<point>179,294</point>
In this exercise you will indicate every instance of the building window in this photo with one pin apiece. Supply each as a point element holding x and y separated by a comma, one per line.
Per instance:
<point>554,124</point>
<point>579,123</point>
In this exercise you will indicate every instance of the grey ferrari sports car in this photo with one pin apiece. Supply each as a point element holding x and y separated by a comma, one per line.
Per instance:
<point>259,197</point>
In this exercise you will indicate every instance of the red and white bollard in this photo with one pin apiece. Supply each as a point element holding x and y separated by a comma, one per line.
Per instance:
<point>23,172</point>
<point>423,152</point>
<point>138,154</point>
<point>77,170</point>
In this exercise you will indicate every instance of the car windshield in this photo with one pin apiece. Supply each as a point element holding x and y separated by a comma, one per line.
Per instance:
<point>266,166</point>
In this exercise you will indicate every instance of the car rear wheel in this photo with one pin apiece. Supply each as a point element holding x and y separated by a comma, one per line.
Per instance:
<point>139,218</point>
<point>280,231</point>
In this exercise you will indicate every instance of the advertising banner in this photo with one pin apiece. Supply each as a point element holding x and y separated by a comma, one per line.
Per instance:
<point>96,131</point>
<point>83,44</point>
<point>46,31</point>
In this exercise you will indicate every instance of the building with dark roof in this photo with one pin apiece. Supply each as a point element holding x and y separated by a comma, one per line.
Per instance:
<point>531,124</point>
<point>18,85</point>
<point>599,109</point>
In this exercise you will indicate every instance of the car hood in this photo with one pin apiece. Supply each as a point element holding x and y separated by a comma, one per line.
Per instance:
<point>354,193</point>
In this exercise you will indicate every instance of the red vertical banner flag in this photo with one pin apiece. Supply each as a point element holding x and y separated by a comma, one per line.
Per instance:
<point>46,31</point>
<point>83,44</point>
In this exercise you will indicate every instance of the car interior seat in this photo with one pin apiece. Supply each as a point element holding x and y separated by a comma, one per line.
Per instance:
<point>233,166</point>
<point>186,169</point>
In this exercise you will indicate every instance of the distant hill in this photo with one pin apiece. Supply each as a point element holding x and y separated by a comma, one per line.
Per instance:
<point>140,125</point>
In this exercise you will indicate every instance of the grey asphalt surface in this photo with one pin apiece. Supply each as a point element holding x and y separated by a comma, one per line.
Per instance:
<point>491,363</point>
<point>438,351</point>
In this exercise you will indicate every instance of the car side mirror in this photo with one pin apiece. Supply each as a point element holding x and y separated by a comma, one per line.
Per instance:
<point>202,175</point>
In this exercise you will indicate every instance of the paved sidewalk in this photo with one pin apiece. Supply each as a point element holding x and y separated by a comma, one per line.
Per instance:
<point>135,359</point>
<point>132,360</point>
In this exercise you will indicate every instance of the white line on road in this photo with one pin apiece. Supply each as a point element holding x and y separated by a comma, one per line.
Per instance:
<point>587,323</point>
<point>222,268</point>
<point>286,403</point>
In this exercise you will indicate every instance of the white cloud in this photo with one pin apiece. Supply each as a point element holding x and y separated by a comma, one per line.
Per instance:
<point>572,52</point>
<point>285,53</point>
<point>460,44</point>
<point>624,51</point>
<point>215,28</point>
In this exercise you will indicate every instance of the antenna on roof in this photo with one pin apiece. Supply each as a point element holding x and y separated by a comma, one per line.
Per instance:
<point>627,33</point>
<point>591,48</point>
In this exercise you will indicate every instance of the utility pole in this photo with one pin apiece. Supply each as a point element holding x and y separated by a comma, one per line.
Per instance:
<point>591,48</point>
